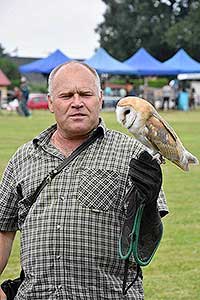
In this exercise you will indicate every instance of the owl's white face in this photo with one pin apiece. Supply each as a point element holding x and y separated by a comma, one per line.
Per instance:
<point>126,115</point>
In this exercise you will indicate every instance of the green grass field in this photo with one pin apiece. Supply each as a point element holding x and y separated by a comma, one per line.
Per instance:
<point>174,273</point>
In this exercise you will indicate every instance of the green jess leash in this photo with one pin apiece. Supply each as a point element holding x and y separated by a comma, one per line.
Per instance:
<point>134,238</point>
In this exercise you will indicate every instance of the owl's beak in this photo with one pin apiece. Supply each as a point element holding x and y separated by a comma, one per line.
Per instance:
<point>123,121</point>
<point>125,113</point>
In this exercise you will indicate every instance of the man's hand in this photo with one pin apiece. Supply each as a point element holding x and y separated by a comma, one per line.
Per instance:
<point>2,295</point>
<point>146,175</point>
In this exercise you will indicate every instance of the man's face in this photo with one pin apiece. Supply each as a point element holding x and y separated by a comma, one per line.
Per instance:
<point>75,100</point>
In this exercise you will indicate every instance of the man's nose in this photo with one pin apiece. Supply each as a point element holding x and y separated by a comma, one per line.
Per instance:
<point>77,100</point>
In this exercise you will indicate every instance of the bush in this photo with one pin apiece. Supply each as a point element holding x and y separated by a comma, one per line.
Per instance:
<point>158,82</point>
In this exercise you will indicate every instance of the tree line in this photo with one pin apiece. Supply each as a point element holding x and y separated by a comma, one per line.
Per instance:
<point>160,26</point>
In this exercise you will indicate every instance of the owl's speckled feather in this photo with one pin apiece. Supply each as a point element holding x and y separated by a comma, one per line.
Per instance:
<point>144,122</point>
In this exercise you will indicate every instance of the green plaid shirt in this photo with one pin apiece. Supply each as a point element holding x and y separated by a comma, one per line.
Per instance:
<point>69,236</point>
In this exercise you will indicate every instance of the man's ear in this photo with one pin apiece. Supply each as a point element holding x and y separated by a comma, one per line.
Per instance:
<point>50,105</point>
<point>101,99</point>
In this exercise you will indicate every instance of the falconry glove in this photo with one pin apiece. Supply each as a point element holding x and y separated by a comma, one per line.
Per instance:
<point>142,229</point>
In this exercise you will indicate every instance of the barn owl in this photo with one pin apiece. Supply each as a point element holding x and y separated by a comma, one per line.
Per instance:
<point>143,121</point>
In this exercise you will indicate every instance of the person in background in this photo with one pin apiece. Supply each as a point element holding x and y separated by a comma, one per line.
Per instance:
<point>13,105</point>
<point>166,96</point>
<point>69,236</point>
<point>130,91</point>
<point>122,92</point>
<point>183,100</point>
<point>108,91</point>
<point>175,92</point>
<point>17,93</point>
<point>25,95</point>
<point>192,98</point>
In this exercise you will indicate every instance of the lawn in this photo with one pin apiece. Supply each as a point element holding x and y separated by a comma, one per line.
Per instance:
<point>174,273</point>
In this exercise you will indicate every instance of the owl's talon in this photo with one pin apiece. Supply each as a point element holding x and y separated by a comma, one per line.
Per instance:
<point>160,159</point>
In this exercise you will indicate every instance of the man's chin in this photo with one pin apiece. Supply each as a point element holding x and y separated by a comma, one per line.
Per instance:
<point>78,132</point>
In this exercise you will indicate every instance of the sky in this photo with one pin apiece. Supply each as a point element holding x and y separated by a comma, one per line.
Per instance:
<point>36,28</point>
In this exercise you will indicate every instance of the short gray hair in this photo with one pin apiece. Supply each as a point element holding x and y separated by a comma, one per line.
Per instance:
<point>55,70</point>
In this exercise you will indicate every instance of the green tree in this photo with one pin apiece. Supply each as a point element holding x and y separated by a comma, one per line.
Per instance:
<point>131,24</point>
<point>2,51</point>
<point>186,32</point>
<point>8,67</point>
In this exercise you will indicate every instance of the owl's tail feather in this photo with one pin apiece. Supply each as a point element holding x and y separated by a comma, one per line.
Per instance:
<point>192,159</point>
<point>187,159</point>
<point>183,166</point>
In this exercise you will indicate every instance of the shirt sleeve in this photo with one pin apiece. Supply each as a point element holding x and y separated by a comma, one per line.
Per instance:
<point>162,204</point>
<point>8,200</point>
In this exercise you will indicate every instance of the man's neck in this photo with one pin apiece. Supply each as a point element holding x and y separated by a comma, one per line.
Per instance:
<point>66,145</point>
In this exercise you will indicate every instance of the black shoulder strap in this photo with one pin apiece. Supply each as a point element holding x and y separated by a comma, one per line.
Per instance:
<point>95,135</point>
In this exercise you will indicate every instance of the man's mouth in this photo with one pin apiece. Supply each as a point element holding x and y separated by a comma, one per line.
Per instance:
<point>77,115</point>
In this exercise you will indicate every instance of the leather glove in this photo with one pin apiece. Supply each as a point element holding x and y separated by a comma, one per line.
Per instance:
<point>145,173</point>
<point>142,228</point>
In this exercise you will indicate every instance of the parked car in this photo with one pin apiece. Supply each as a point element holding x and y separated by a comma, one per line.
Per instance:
<point>37,101</point>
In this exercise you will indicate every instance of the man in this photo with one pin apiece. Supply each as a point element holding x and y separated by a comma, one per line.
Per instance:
<point>69,236</point>
<point>24,99</point>
<point>130,91</point>
<point>166,94</point>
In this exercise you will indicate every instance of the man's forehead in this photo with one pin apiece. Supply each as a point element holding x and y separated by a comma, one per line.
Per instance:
<point>74,89</point>
<point>74,68</point>
<point>74,77</point>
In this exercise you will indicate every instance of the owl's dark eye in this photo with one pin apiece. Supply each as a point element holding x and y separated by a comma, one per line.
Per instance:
<point>127,112</point>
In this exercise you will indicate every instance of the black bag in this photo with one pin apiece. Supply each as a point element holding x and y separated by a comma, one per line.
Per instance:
<point>10,287</point>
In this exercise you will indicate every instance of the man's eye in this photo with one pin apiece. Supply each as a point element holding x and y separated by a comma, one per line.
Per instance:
<point>66,96</point>
<point>86,94</point>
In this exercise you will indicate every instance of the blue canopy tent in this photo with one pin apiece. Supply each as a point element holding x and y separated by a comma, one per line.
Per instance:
<point>45,65</point>
<point>182,63</point>
<point>105,63</point>
<point>145,64</point>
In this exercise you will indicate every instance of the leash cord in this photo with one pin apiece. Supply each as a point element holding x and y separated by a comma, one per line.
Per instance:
<point>124,288</point>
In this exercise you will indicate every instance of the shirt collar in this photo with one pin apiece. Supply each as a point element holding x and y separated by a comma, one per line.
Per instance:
<point>103,126</point>
<point>44,137</point>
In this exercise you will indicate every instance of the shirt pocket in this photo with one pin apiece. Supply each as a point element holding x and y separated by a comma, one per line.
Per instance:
<point>99,189</point>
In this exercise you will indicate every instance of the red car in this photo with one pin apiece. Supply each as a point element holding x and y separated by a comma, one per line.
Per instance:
<point>37,101</point>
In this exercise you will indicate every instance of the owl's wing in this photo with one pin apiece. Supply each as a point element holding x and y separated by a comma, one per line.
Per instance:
<point>163,137</point>
<point>168,127</point>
